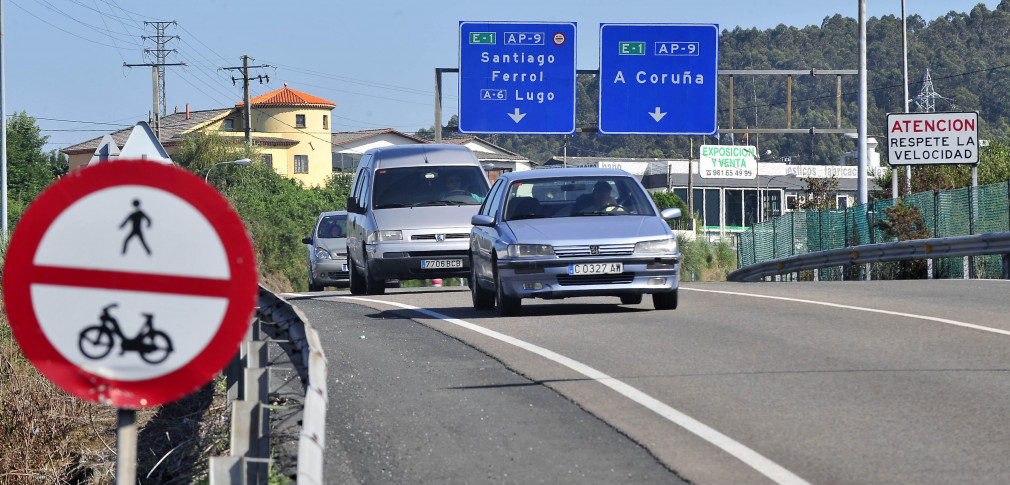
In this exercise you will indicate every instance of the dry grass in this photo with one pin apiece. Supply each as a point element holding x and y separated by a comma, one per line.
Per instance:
<point>50,437</point>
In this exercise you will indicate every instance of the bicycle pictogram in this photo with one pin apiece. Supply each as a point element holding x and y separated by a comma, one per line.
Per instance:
<point>96,341</point>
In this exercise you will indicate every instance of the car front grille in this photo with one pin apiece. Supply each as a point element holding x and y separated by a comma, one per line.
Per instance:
<point>431,237</point>
<point>601,279</point>
<point>436,254</point>
<point>603,250</point>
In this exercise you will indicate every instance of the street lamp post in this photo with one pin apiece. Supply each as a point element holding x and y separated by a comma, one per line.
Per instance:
<point>767,185</point>
<point>241,161</point>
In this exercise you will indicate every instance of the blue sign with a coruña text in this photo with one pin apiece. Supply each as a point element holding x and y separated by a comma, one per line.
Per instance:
<point>517,78</point>
<point>659,79</point>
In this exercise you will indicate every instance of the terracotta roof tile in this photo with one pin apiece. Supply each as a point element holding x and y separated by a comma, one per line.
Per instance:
<point>288,96</point>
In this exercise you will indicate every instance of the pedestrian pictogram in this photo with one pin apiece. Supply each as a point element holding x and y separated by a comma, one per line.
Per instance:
<point>130,283</point>
<point>136,220</point>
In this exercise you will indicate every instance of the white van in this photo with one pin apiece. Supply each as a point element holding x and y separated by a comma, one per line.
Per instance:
<point>409,214</point>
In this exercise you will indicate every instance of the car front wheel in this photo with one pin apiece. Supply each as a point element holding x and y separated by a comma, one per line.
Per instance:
<point>665,301</point>
<point>631,299</point>
<point>482,299</point>
<point>355,280</point>
<point>373,286</point>
<point>507,305</point>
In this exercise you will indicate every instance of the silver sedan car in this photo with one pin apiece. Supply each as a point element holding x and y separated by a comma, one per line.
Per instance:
<point>559,233</point>
<point>327,251</point>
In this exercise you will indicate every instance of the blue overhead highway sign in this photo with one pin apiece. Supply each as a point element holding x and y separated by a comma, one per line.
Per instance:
<point>659,79</point>
<point>517,77</point>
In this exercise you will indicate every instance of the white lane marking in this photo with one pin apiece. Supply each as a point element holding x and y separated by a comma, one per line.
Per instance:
<point>864,309</point>
<point>763,465</point>
<point>293,295</point>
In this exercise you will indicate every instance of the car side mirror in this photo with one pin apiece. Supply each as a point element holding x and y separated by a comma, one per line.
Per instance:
<point>307,240</point>
<point>670,213</point>
<point>482,220</point>
<point>352,205</point>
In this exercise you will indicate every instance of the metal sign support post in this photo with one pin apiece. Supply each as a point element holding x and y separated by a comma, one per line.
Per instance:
<point>126,446</point>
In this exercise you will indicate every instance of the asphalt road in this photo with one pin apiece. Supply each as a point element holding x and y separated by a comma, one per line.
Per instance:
<point>835,382</point>
<point>408,404</point>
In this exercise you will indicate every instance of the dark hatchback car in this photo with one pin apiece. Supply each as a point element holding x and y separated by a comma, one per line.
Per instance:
<point>559,233</point>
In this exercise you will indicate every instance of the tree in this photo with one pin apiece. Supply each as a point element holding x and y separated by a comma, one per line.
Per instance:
<point>199,152</point>
<point>905,222</point>
<point>820,193</point>
<point>28,168</point>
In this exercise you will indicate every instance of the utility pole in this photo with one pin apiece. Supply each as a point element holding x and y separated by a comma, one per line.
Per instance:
<point>245,88</point>
<point>158,70</point>
<point>3,128</point>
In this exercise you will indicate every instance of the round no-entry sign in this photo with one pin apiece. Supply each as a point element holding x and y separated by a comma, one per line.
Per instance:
<point>130,283</point>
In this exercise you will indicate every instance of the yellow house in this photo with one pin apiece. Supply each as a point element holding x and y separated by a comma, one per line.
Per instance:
<point>290,128</point>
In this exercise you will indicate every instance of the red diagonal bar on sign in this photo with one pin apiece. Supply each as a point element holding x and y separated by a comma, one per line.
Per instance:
<point>121,280</point>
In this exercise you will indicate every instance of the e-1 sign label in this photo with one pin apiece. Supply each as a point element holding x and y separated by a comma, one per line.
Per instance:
<point>482,38</point>
<point>632,48</point>
<point>932,138</point>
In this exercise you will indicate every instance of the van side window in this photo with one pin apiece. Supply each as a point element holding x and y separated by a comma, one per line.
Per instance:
<point>356,192</point>
<point>364,200</point>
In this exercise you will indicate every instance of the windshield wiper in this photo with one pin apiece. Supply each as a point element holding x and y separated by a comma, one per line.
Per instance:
<point>598,213</point>
<point>393,205</point>
<point>528,216</point>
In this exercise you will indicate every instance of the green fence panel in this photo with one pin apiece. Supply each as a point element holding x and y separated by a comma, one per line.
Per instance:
<point>945,213</point>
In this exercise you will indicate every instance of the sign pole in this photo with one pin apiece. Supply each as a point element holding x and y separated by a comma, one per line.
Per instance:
<point>126,446</point>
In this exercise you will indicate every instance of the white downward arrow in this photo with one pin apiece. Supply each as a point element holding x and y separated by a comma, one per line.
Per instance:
<point>517,116</point>
<point>657,115</point>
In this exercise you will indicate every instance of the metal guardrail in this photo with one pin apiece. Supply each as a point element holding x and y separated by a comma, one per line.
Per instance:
<point>945,247</point>
<point>248,388</point>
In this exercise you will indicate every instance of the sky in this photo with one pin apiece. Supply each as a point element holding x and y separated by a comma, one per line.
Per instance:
<point>63,60</point>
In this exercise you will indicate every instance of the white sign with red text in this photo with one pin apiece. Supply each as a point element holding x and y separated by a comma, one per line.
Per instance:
<point>932,138</point>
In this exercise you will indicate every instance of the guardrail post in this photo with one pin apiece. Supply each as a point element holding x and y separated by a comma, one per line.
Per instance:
<point>227,470</point>
<point>1006,266</point>
<point>233,371</point>
<point>247,425</point>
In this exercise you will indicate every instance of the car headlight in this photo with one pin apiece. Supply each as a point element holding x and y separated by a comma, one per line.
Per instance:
<point>530,251</point>
<point>322,253</point>
<point>380,236</point>
<point>668,245</point>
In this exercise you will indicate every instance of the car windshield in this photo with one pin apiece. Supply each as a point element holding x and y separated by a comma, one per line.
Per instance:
<point>429,186</point>
<point>332,226</point>
<point>575,197</point>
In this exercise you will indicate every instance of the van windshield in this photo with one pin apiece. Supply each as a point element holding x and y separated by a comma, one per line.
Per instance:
<point>428,186</point>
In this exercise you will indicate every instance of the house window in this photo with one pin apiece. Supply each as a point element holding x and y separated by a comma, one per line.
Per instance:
<point>299,121</point>
<point>301,164</point>
<point>326,122</point>
<point>268,160</point>
<point>229,125</point>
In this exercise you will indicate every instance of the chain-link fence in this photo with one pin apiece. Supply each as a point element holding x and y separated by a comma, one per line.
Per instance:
<point>945,213</point>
